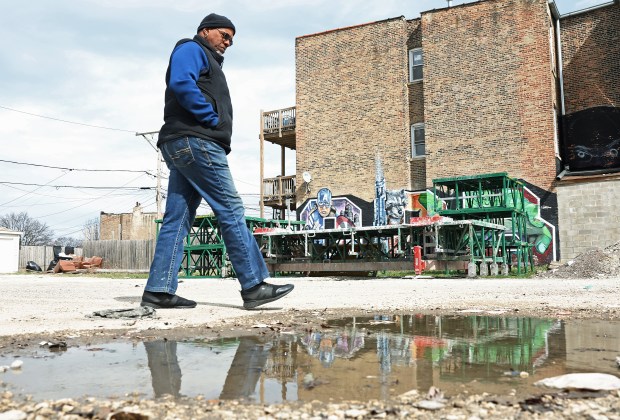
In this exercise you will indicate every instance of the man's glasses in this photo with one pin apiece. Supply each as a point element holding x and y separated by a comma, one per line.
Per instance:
<point>226,36</point>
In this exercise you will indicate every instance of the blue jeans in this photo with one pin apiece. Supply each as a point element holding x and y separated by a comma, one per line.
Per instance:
<point>199,169</point>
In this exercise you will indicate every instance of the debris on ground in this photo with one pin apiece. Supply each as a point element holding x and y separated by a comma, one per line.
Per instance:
<point>139,312</point>
<point>17,364</point>
<point>33,266</point>
<point>77,263</point>
<point>596,263</point>
<point>54,345</point>
<point>590,381</point>
<point>462,406</point>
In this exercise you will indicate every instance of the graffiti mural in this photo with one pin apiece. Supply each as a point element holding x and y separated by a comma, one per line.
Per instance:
<point>592,138</point>
<point>540,233</point>
<point>380,218</point>
<point>340,211</point>
<point>422,203</point>
<point>389,204</point>
<point>395,207</point>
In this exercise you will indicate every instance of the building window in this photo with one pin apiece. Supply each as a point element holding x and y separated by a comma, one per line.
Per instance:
<point>417,140</point>
<point>415,64</point>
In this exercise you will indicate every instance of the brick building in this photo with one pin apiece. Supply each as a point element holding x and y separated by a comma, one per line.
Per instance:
<point>484,87</point>
<point>125,226</point>
<point>589,193</point>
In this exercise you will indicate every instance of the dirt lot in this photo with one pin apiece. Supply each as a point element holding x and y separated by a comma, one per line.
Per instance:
<point>59,307</point>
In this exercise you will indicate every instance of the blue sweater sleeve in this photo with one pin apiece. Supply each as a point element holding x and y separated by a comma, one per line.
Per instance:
<point>187,62</point>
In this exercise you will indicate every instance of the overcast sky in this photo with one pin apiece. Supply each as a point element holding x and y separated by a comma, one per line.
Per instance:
<point>84,63</point>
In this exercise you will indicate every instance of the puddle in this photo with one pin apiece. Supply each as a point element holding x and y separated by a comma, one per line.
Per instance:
<point>353,358</point>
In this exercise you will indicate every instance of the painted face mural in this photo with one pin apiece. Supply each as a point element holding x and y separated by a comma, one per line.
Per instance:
<point>324,202</point>
<point>341,211</point>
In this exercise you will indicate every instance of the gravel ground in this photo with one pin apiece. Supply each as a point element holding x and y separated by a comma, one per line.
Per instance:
<point>58,308</point>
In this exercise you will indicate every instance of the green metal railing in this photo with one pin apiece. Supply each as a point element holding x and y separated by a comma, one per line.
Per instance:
<point>204,251</point>
<point>495,198</point>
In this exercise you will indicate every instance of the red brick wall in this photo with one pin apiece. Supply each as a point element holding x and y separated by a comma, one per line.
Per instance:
<point>125,226</point>
<point>416,102</point>
<point>417,166</point>
<point>352,103</point>
<point>489,90</point>
<point>591,59</point>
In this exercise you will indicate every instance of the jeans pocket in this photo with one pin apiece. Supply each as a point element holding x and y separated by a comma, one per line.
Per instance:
<point>214,154</point>
<point>178,152</point>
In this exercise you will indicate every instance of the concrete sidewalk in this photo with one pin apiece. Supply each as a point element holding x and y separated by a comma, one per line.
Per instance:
<point>51,303</point>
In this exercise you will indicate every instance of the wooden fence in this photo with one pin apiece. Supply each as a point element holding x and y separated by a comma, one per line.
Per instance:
<point>42,255</point>
<point>117,255</point>
<point>122,255</point>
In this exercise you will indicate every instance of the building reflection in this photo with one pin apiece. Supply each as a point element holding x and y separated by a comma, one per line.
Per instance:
<point>419,351</point>
<point>384,355</point>
<point>328,345</point>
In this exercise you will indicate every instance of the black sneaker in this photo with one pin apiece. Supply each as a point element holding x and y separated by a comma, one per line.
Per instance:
<point>162,300</point>
<point>264,293</point>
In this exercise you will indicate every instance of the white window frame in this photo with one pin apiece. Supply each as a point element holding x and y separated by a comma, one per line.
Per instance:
<point>416,142</point>
<point>413,65</point>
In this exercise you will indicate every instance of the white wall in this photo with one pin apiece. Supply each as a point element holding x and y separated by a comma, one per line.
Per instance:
<point>9,252</point>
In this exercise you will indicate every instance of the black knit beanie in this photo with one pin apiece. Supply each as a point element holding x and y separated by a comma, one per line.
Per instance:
<point>216,21</point>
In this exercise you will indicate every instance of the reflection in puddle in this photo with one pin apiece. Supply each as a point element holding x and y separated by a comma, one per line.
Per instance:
<point>354,358</point>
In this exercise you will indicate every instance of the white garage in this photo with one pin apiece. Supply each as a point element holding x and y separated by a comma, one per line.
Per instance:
<point>9,250</point>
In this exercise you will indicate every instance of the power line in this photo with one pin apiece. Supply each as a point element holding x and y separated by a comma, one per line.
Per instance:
<point>77,187</point>
<point>66,121</point>
<point>75,169</point>
<point>33,192</point>
<point>95,199</point>
<point>30,192</point>
<point>68,200</point>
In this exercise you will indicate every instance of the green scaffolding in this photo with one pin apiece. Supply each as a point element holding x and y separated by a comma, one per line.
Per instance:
<point>204,252</point>
<point>374,248</point>
<point>493,198</point>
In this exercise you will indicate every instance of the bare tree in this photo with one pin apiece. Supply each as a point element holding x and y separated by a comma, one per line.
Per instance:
<point>34,232</point>
<point>68,241</point>
<point>90,230</point>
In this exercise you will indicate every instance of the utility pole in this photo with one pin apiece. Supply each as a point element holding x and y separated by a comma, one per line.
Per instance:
<point>262,162</point>
<point>159,157</point>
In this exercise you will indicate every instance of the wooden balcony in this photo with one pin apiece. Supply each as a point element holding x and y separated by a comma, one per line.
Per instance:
<point>277,190</point>
<point>278,127</point>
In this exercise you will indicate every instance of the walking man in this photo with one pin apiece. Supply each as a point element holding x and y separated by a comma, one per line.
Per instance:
<point>195,141</point>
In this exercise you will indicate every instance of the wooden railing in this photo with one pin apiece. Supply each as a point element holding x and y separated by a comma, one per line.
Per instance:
<point>279,120</point>
<point>279,188</point>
